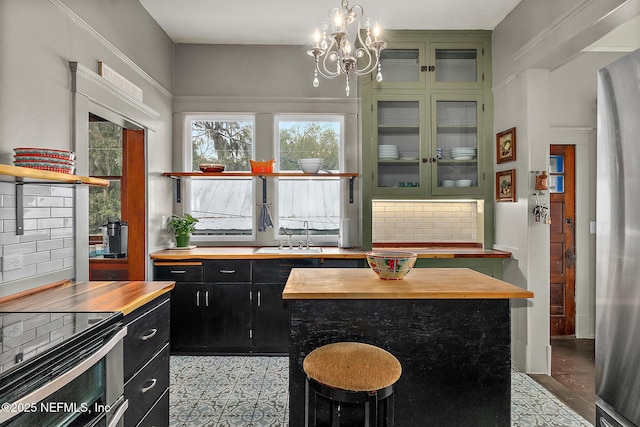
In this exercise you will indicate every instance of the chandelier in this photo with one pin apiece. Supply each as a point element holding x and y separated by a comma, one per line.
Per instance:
<point>335,53</point>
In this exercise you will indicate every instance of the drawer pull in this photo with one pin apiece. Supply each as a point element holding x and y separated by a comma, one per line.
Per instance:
<point>151,334</point>
<point>149,387</point>
<point>178,271</point>
<point>198,299</point>
<point>227,271</point>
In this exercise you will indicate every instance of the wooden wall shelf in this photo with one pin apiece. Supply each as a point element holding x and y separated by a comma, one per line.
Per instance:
<point>263,175</point>
<point>37,176</point>
<point>259,174</point>
<point>21,173</point>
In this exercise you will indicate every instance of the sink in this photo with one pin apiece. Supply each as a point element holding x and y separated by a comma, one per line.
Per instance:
<point>287,251</point>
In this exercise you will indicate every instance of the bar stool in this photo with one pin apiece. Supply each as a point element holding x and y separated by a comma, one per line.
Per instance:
<point>351,372</point>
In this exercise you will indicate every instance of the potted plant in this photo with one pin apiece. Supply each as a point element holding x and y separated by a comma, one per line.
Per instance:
<point>182,227</point>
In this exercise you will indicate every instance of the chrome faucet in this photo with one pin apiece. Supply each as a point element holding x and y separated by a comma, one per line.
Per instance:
<point>306,225</point>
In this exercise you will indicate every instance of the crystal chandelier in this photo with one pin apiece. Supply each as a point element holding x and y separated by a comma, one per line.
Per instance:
<point>335,54</point>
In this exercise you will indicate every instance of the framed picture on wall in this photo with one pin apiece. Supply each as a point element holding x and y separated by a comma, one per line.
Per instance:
<point>506,186</point>
<point>506,146</point>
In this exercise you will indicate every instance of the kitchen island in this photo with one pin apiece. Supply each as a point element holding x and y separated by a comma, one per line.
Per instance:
<point>449,328</point>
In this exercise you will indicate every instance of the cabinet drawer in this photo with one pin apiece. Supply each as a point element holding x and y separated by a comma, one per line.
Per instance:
<point>144,389</point>
<point>178,272</point>
<point>227,271</point>
<point>278,270</point>
<point>146,335</point>
<point>158,416</point>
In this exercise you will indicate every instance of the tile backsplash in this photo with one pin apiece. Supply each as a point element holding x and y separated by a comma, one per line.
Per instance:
<point>48,242</point>
<point>427,221</point>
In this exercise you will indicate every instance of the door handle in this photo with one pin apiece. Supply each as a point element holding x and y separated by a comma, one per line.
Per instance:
<point>258,298</point>
<point>150,386</point>
<point>227,271</point>
<point>151,334</point>
<point>197,298</point>
<point>206,298</point>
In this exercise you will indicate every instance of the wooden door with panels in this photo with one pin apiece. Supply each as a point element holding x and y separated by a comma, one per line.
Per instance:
<point>562,280</point>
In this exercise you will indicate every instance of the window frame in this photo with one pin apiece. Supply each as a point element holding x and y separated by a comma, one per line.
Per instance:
<point>324,239</point>
<point>187,160</point>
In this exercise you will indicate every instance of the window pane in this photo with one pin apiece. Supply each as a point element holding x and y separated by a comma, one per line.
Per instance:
<point>105,149</point>
<point>227,142</point>
<point>104,205</point>
<point>223,206</point>
<point>309,139</point>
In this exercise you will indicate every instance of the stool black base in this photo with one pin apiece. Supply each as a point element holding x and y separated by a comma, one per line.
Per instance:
<point>338,409</point>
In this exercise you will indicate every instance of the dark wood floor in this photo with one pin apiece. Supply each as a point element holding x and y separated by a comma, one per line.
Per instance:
<point>573,375</point>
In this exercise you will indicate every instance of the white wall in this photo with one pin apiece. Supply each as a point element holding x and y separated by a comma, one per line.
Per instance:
<point>38,38</point>
<point>545,87</point>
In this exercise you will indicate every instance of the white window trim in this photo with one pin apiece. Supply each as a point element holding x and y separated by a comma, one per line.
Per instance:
<point>187,159</point>
<point>327,240</point>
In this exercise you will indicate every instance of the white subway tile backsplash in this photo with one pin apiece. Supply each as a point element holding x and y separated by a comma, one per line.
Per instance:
<point>424,221</point>
<point>49,245</point>
<point>48,242</point>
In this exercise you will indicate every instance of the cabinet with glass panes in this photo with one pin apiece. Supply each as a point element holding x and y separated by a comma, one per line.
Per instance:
<point>428,125</point>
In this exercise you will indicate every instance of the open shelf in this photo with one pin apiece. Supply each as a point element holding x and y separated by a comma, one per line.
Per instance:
<point>260,174</point>
<point>20,173</point>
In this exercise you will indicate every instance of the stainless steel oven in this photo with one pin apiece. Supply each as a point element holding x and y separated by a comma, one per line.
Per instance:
<point>62,369</point>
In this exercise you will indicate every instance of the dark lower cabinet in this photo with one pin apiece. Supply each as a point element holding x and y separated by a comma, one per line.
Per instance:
<point>232,306</point>
<point>146,364</point>
<point>270,319</point>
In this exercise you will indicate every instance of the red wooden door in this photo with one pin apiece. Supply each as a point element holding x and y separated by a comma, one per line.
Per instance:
<point>562,245</point>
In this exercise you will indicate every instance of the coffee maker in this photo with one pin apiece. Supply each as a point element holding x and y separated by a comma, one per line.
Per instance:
<point>115,236</point>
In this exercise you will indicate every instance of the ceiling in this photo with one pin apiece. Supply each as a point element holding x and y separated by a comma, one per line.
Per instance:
<point>292,22</point>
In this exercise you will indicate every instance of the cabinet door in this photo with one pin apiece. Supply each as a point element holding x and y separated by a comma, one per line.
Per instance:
<point>455,65</point>
<point>398,144</point>
<point>271,321</point>
<point>227,317</point>
<point>401,67</point>
<point>187,326</point>
<point>456,132</point>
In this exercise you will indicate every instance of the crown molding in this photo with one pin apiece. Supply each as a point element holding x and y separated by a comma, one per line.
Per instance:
<point>81,23</point>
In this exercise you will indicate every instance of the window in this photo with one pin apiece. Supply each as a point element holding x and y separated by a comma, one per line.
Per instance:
<point>224,207</point>
<point>105,161</point>
<point>309,202</point>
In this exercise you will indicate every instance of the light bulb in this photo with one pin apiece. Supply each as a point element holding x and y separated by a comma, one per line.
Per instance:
<point>376,32</point>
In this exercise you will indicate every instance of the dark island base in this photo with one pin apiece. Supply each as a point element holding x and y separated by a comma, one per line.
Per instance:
<point>455,355</point>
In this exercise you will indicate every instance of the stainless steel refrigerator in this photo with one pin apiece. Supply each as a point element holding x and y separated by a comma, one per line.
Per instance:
<point>618,244</point>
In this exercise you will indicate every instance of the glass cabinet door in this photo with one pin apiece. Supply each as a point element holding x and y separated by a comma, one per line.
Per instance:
<point>400,65</point>
<point>455,132</point>
<point>397,144</point>
<point>456,65</point>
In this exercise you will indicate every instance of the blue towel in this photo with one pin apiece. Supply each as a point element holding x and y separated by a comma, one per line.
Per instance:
<point>264,220</point>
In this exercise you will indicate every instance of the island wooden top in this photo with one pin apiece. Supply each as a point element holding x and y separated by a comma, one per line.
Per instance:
<point>91,296</point>
<point>248,252</point>
<point>420,283</point>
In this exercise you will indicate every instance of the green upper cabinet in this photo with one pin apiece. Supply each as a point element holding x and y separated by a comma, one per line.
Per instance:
<point>455,65</point>
<point>457,157</point>
<point>402,66</point>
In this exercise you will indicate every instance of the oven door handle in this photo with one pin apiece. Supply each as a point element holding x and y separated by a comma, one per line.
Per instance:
<point>64,379</point>
<point>117,416</point>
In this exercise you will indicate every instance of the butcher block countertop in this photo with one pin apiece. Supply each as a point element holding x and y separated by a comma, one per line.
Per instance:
<point>91,296</point>
<point>248,252</point>
<point>420,283</point>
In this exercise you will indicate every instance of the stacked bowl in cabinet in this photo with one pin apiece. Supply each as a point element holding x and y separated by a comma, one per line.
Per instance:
<point>388,152</point>
<point>464,153</point>
<point>47,159</point>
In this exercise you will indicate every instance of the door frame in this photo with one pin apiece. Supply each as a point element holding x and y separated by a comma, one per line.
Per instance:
<point>584,139</point>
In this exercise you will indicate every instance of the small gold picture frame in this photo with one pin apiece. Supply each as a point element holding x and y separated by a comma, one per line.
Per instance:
<point>506,146</point>
<point>506,186</point>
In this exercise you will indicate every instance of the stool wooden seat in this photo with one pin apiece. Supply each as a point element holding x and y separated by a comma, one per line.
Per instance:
<point>351,372</point>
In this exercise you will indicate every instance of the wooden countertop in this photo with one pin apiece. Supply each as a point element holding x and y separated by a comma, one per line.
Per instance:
<point>87,296</point>
<point>248,252</point>
<point>420,283</point>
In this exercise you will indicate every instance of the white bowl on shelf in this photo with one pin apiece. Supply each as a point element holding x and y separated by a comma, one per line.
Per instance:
<point>448,183</point>
<point>310,165</point>
<point>463,183</point>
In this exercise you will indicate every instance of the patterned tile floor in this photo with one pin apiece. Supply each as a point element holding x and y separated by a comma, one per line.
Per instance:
<point>252,391</point>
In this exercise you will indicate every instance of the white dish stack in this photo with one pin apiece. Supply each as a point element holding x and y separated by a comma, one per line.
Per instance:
<point>388,152</point>
<point>464,153</point>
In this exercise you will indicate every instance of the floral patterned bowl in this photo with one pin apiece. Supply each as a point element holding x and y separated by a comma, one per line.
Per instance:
<point>391,265</point>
